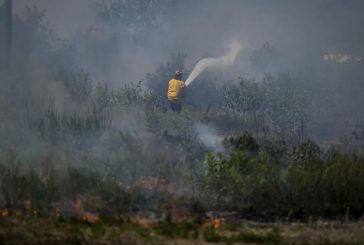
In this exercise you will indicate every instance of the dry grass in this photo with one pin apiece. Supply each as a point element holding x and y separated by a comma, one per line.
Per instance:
<point>15,230</point>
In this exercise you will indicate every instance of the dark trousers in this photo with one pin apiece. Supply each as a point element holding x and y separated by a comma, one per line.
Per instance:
<point>175,106</point>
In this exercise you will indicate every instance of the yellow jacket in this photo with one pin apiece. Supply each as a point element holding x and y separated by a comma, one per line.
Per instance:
<point>175,88</point>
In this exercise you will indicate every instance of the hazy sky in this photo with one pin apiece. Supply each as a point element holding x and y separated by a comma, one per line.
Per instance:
<point>301,30</point>
<point>66,16</point>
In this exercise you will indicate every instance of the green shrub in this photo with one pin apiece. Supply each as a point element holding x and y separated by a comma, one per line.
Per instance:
<point>211,235</point>
<point>300,182</point>
<point>271,237</point>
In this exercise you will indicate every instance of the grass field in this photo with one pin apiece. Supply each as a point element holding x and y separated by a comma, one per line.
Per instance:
<point>129,231</point>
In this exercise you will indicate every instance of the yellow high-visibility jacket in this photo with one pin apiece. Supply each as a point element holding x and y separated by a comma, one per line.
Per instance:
<point>175,88</point>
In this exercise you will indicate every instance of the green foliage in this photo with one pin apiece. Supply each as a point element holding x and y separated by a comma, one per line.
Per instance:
<point>43,231</point>
<point>82,180</point>
<point>114,199</point>
<point>244,180</point>
<point>286,106</point>
<point>308,152</point>
<point>13,184</point>
<point>113,138</point>
<point>245,142</point>
<point>217,176</point>
<point>300,183</point>
<point>19,185</point>
<point>184,229</point>
<point>275,107</point>
<point>129,95</point>
<point>245,96</point>
<point>271,237</point>
<point>211,235</point>
<point>79,85</point>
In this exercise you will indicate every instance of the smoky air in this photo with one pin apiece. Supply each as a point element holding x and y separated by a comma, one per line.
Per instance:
<point>157,111</point>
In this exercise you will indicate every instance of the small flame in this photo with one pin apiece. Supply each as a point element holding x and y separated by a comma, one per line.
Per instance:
<point>90,217</point>
<point>58,213</point>
<point>142,222</point>
<point>86,216</point>
<point>216,223</point>
<point>4,212</point>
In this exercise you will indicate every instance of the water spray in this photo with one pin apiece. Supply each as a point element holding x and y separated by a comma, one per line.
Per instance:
<point>225,60</point>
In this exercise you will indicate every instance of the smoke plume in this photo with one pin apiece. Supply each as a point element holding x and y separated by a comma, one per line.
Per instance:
<point>209,137</point>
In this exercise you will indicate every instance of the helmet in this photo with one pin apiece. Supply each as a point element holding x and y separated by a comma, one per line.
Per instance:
<point>179,72</point>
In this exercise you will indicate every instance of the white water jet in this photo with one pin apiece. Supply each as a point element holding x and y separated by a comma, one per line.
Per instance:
<point>225,60</point>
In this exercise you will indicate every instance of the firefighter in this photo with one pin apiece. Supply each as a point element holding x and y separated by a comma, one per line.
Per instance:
<point>175,88</point>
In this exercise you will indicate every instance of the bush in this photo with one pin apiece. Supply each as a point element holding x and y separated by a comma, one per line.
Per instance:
<point>302,182</point>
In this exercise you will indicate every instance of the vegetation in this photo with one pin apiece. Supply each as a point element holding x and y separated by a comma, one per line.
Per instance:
<point>293,182</point>
<point>98,163</point>
<point>256,181</point>
<point>31,230</point>
<point>124,150</point>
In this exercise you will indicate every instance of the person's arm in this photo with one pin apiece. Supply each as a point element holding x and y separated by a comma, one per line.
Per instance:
<point>183,86</point>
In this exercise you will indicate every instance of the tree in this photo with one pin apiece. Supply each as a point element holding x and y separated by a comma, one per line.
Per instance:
<point>247,97</point>
<point>285,107</point>
<point>245,180</point>
<point>137,16</point>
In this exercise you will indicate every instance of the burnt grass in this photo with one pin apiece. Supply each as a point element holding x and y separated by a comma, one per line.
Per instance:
<point>16,229</point>
<point>253,195</point>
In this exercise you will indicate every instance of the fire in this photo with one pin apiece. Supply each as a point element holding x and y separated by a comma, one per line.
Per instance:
<point>216,223</point>
<point>57,212</point>
<point>4,212</point>
<point>86,216</point>
<point>90,217</point>
<point>142,222</point>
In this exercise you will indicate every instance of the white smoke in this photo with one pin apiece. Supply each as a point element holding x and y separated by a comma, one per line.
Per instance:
<point>208,136</point>
<point>225,60</point>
